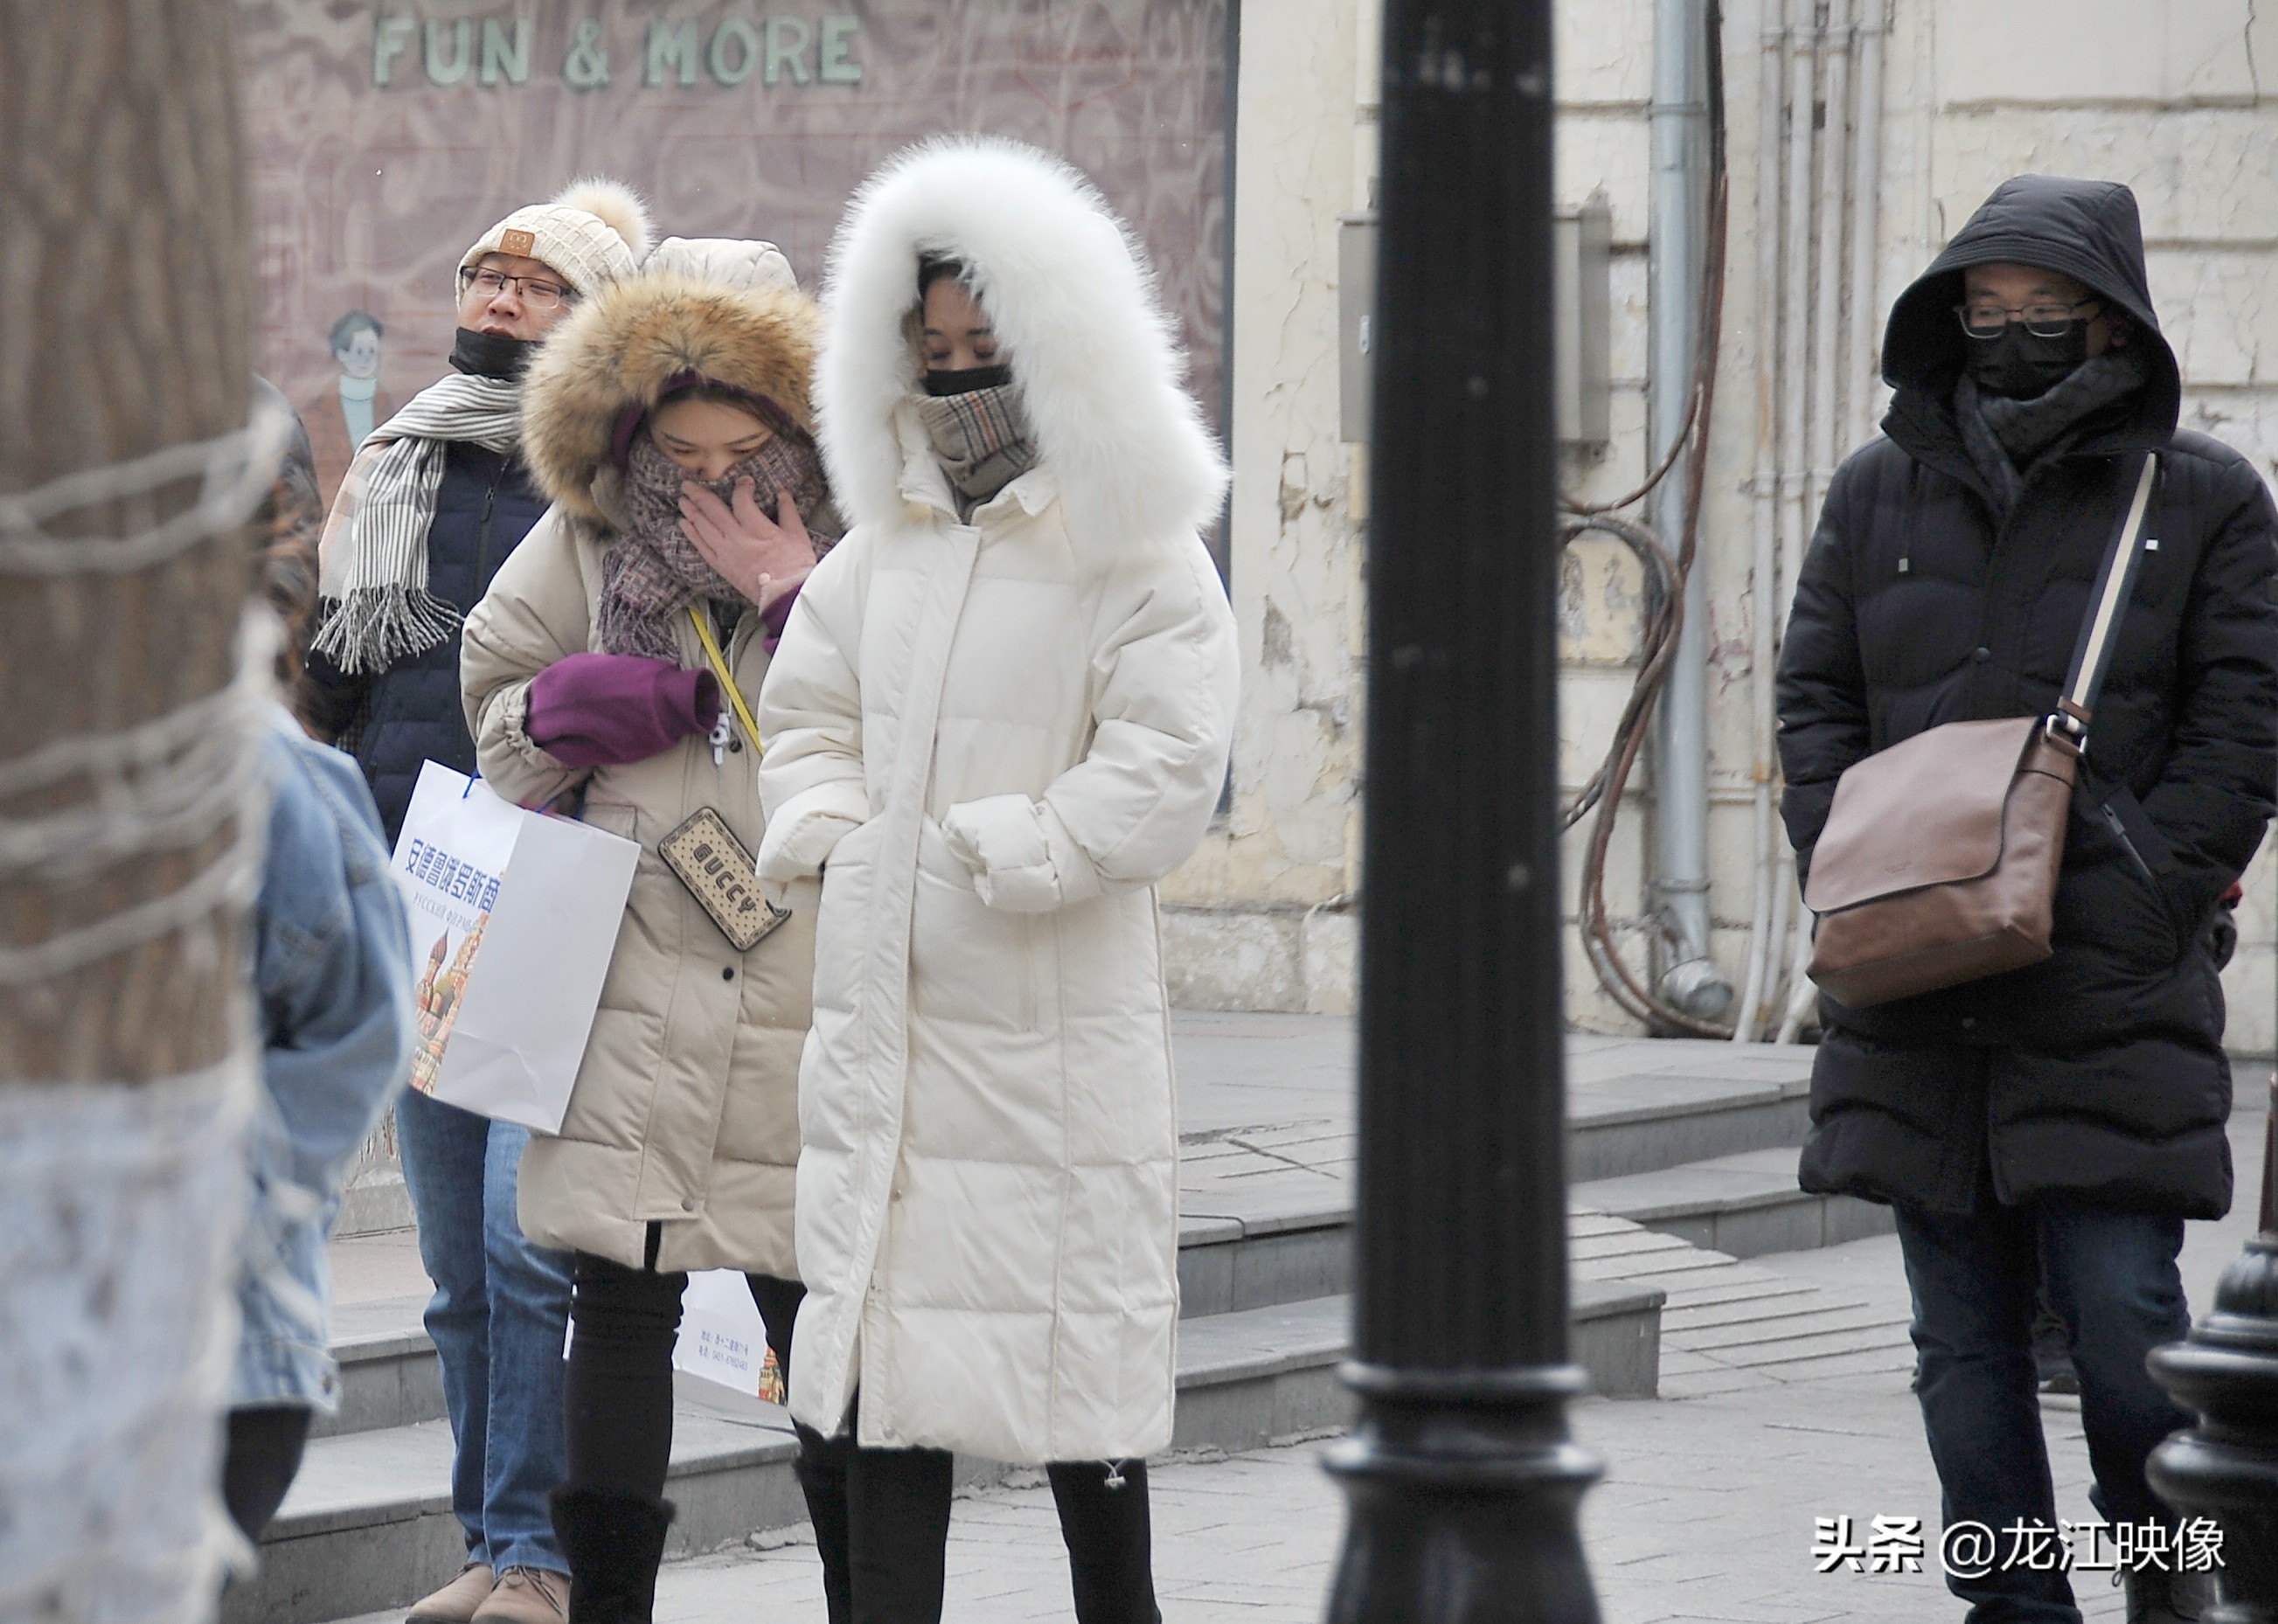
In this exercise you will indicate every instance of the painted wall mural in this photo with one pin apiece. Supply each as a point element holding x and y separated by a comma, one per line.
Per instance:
<point>386,137</point>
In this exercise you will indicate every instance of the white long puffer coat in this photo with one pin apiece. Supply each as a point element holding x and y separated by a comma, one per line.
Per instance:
<point>1000,734</point>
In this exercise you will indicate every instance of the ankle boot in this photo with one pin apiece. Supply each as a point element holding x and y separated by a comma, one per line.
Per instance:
<point>613,1542</point>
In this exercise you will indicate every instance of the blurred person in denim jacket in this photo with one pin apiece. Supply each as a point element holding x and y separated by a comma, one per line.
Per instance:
<point>331,966</point>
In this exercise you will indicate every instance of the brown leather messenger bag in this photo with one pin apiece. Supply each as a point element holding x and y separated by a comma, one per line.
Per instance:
<point>1938,862</point>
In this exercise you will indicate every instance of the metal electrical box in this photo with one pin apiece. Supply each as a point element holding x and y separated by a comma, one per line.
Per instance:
<point>1583,252</point>
<point>1582,249</point>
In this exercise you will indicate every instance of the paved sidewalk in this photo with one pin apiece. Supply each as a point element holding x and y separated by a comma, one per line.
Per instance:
<point>1704,1517</point>
<point>1705,1514</point>
<point>1785,1399</point>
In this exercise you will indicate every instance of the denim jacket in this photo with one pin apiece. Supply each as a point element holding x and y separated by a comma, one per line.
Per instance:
<point>332,973</point>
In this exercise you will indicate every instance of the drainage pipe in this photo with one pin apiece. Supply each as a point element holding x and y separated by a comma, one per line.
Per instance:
<point>1866,27</point>
<point>1866,221</point>
<point>1763,572</point>
<point>1678,251</point>
<point>1824,123</point>
<point>1827,414</point>
<point>1804,41</point>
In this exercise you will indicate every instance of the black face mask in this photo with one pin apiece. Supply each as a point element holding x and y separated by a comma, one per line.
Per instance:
<point>2023,366</point>
<point>492,354</point>
<point>941,383</point>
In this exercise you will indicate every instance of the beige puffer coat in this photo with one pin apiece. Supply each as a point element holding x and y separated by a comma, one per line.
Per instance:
<point>993,737</point>
<point>684,1112</point>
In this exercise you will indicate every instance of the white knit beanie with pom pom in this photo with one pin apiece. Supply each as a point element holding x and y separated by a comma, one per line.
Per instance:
<point>595,232</point>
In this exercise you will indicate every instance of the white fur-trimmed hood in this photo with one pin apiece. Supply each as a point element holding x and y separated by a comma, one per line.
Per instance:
<point>1096,359</point>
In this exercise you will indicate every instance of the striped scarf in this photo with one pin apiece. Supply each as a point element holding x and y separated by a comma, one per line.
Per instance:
<point>382,612</point>
<point>981,438</point>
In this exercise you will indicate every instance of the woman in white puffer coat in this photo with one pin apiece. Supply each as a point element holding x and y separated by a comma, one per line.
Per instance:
<point>1000,714</point>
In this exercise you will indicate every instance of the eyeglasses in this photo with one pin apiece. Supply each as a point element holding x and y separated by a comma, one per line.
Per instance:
<point>536,292</point>
<point>1984,318</point>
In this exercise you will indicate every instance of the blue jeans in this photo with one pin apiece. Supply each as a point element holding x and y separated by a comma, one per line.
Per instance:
<point>499,1317</point>
<point>2112,1279</point>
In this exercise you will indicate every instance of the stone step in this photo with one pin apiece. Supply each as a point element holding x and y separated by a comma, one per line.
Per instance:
<point>368,1524</point>
<point>389,1377</point>
<point>1699,1106</point>
<point>1744,1206</point>
<point>1268,1201</point>
<point>376,1204</point>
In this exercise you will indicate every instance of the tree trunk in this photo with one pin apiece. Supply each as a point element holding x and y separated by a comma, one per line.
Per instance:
<point>124,329</point>
<point>125,1070</point>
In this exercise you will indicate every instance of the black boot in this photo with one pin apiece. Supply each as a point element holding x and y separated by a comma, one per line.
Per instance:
<point>613,1542</point>
<point>822,1464</point>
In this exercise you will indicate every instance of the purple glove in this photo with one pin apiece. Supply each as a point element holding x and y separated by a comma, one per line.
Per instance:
<point>606,710</point>
<point>777,615</point>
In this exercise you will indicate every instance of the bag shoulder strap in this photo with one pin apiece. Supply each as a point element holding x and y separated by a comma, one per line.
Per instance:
<point>2091,657</point>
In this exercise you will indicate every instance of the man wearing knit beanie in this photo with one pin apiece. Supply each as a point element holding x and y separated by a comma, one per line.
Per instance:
<point>434,502</point>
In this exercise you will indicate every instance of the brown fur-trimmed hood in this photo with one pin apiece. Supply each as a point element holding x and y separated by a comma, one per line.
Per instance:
<point>621,347</point>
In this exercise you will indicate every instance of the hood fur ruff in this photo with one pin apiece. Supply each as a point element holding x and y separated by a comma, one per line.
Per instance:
<point>620,349</point>
<point>1076,311</point>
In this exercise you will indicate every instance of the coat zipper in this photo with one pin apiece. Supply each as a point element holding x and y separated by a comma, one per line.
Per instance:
<point>483,536</point>
<point>2134,856</point>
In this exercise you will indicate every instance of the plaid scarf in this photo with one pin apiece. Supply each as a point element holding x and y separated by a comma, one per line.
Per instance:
<point>981,439</point>
<point>382,612</point>
<point>653,573</point>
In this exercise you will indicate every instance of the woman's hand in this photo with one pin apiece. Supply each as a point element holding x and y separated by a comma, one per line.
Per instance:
<point>775,589</point>
<point>763,558</point>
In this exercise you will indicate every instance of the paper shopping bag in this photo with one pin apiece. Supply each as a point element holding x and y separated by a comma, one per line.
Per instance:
<point>722,1339</point>
<point>515,915</point>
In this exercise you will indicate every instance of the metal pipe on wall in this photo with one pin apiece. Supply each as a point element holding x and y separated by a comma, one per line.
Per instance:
<point>1763,575</point>
<point>1827,259</point>
<point>1830,116</point>
<point>1866,221</point>
<point>1677,255</point>
<point>1817,326</point>
<point>1805,34</point>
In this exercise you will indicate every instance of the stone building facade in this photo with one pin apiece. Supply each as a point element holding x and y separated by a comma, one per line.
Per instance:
<point>2166,96</point>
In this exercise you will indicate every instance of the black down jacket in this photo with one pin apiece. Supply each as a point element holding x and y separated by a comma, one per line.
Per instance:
<point>411,713</point>
<point>2097,1076</point>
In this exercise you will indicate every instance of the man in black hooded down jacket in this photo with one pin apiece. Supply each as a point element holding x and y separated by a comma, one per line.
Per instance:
<point>2061,1120</point>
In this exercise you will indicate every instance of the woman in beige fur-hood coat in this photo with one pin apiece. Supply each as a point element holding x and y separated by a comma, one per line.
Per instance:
<point>589,686</point>
<point>609,673</point>
<point>1000,719</point>
<point>682,1113</point>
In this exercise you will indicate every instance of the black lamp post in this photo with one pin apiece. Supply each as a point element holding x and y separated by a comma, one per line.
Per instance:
<point>1463,1483</point>
<point>2226,1467</point>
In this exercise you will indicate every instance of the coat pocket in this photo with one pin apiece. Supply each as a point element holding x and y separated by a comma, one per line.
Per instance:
<point>613,816</point>
<point>968,961</point>
<point>842,924</point>
<point>616,1083</point>
<point>2146,852</point>
<point>2109,897</point>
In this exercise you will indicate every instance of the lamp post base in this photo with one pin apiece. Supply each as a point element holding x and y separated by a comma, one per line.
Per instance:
<point>2226,1468</point>
<point>1464,1490</point>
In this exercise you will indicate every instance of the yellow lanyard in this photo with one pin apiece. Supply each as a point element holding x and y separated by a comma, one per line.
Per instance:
<point>720,669</point>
